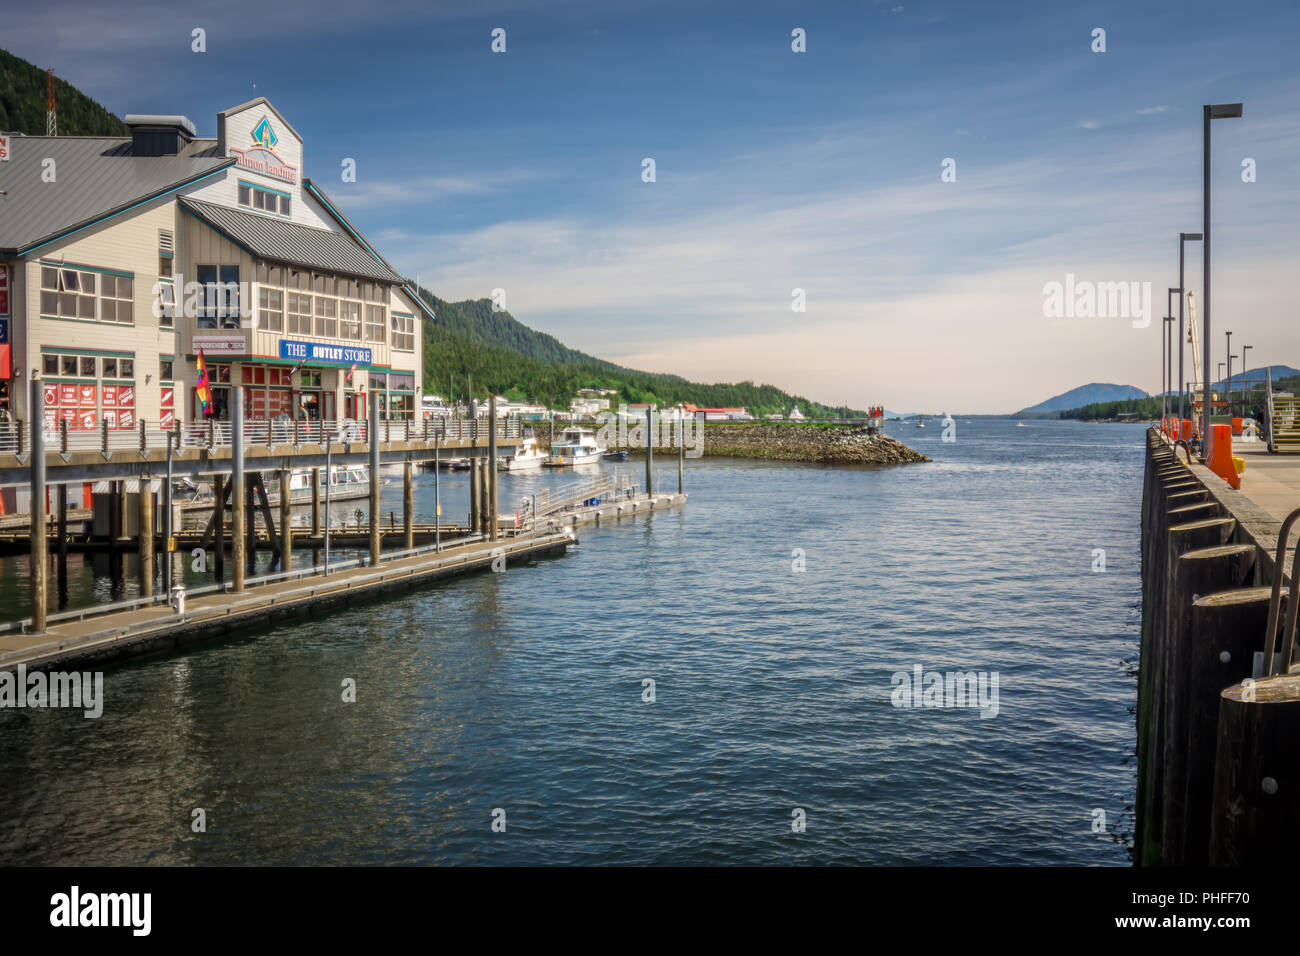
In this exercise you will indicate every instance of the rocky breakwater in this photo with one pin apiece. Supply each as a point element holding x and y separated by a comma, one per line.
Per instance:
<point>825,444</point>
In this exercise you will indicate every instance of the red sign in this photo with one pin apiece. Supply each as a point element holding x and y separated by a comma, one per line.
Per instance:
<point>167,419</point>
<point>67,394</point>
<point>87,396</point>
<point>126,418</point>
<point>86,417</point>
<point>110,416</point>
<point>110,396</point>
<point>166,395</point>
<point>126,396</point>
<point>51,419</point>
<point>51,396</point>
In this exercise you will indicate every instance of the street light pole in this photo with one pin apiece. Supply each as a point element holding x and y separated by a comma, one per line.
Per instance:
<point>1245,369</point>
<point>1227,382</point>
<point>1169,351</point>
<point>1208,112</point>
<point>1183,239</point>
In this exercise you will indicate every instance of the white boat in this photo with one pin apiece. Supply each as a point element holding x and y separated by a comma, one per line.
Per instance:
<point>577,446</point>
<point>1020,424</point>
<point>346,482</point>
<point>526,456</point>
<point>920,422</point>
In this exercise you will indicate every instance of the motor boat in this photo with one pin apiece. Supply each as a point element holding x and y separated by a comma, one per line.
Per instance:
<point>577,446</point>
<point>526,456</point>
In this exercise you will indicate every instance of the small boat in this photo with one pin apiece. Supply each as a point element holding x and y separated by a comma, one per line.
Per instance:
<point>346,482</point>
<point>920,422</point>
<point>577,446</point>
<point>618,454</point>
<point>1020,424</point>
<point>526,456</point>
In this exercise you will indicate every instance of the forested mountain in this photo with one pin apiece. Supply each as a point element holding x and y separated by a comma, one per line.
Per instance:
<point>504,356</point>
<point>22,104</point>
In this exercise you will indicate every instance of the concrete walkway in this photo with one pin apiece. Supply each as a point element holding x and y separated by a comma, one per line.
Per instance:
<point>1271,481</point>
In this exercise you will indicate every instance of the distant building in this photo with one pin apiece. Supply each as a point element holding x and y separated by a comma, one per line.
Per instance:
<point>796,415</point>
<point>720,414</point>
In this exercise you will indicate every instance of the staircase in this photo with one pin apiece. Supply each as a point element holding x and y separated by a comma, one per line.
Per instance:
<point>1286,424</point>
<point>1283,421</point>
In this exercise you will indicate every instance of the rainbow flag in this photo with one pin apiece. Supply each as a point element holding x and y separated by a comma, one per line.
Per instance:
<point>201,390</point>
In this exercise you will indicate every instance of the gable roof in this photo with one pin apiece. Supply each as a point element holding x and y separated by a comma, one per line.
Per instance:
<point>95,177</point>
<point>291,243</point>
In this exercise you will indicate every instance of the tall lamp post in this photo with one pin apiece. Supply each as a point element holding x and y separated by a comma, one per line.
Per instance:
<point>1208,112</point>
<point>1183,239</point>
<point>1169,351</point>
<point>1245,382</point>
<point>1227,382</point>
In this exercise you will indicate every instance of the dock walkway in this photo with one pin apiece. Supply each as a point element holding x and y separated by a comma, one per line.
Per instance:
<point>154,627</point>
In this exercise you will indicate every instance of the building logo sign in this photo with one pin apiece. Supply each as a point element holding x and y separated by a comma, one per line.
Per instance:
<point>218,346</point>
<point>321,353</point>
<point>261,156</point>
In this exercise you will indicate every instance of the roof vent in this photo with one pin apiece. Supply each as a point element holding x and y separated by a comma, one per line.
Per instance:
<point>153,135</point>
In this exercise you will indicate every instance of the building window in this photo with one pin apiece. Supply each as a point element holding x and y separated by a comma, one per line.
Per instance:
<point>374,323</point>
<point>166,305</point>
<point>270,307</point>
<point>68,293</point>
<point>403,332</point>
<point>117,299</point>
<point>299,314</point>
<point>90,391</point>
<point>264,200</point>
<point>165,369</point>
<point>327,311</point>
<point>350,319</point>
<point>164,267</point>
<point>220,306</point>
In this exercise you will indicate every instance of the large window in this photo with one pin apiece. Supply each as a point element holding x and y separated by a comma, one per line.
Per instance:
<point>270,310</point>
<point>403,332</point>
<point>299,313</point>
<point>86,389</point>
<point>327,311</point>
<point>264,200</point>
<point>374,323</point>
<point>166,304</point>
<point>72,293</point>
<point>350,319</point>
<point>220,306</point>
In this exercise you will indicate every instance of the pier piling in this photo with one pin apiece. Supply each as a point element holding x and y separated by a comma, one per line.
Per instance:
<point>1256,815</point>
<point>649,452</point>
<point>219,488</point>
<point>62,499</point>
<point>474,519</point>
<point>408,507</point>
<point>286,527</point>
<point>493,522</point>
<point>1204,571</point>
<point>373,436</point>
<point>315,502</point>
<point>238,495</point>
<point>145,532</point>
<point>39,545</point>
<point>1225,637</point>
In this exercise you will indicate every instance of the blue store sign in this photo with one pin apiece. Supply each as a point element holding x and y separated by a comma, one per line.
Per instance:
<point>322,353</point>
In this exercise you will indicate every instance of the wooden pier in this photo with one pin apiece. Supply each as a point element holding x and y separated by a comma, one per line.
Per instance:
<point>1218,709</point>
<point>240,463</point>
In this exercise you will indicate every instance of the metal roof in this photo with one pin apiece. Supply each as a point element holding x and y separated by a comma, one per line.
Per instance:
<point>292,243</point>
<point>94,177</point>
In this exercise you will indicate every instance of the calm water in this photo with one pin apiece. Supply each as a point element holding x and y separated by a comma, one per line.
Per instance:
<point>523,690</point>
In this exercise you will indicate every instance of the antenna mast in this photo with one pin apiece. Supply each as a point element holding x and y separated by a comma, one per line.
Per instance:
<point>51,115</point>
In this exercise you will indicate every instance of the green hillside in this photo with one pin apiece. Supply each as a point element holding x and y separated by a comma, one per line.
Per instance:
<point>506,357</point>
<point>22,104</point>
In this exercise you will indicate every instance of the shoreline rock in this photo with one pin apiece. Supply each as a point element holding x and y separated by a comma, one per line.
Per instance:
<point>816,444</point>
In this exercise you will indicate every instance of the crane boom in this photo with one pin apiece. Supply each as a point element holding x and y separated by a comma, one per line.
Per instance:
<point>1196,351</point>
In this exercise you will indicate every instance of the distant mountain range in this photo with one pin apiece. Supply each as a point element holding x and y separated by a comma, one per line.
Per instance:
<point>1084,395</point>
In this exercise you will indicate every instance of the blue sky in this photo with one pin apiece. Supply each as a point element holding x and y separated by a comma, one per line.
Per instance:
<point>775,170</point>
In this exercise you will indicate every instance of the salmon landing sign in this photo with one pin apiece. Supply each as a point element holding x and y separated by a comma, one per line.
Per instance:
<point>262,157</point>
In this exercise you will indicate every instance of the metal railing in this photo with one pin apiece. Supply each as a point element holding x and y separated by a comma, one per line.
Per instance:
<point>15,436</point>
